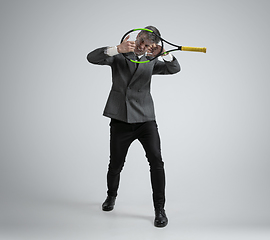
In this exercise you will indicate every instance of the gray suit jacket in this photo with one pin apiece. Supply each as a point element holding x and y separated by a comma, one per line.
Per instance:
<point>130,99</point>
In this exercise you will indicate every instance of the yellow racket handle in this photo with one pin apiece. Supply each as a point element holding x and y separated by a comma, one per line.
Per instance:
<point>194,49</point>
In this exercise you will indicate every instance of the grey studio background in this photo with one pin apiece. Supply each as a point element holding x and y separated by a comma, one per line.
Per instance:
<point>213,122</point>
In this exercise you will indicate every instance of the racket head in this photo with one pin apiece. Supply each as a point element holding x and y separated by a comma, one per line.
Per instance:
<point>146,40</point>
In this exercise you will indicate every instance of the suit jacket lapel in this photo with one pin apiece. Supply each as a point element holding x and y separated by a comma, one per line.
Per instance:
<point>141,65</point>
<point>136,68</point>
<point>132,65</point>
<point>139,70</point>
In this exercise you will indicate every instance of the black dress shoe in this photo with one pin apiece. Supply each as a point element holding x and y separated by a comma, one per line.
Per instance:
<point>109,203</point>
<point>161,219</point>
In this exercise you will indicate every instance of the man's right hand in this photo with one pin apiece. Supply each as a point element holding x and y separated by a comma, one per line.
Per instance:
<point>126,46</point>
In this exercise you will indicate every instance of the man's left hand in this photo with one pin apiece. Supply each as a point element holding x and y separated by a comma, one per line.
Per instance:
<point>154,50</point>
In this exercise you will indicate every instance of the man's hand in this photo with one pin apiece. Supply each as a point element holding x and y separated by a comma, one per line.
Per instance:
<point>126,46</point>
<point>154,50</point>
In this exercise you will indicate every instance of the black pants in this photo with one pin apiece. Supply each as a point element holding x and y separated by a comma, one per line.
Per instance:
<point>122,135</point>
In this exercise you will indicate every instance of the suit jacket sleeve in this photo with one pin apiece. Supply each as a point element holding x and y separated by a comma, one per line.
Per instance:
<point>166,67</point>
<point>99,57</point>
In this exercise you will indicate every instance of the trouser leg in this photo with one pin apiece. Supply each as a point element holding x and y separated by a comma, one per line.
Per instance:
<point>150,140</point>
<point>120,140</point>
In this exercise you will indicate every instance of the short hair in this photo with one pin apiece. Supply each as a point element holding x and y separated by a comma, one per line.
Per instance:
<point>152,36</point>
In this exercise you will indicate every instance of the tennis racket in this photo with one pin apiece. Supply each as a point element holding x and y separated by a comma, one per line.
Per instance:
<point>155,49</point>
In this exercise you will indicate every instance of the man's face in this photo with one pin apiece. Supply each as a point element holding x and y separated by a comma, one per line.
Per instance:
<point>143,44</point>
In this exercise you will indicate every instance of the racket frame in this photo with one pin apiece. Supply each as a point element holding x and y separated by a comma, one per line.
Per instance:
<point>142,29</point>
<point>178,48</point>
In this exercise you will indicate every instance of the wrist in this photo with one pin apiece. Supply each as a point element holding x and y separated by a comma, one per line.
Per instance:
<point>118,49</point>
<point>168,57</point>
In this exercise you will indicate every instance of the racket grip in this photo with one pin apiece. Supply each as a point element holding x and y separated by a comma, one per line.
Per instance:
<point>194,49</point>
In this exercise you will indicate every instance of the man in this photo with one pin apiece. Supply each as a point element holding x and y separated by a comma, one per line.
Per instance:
<point>131,109</point>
